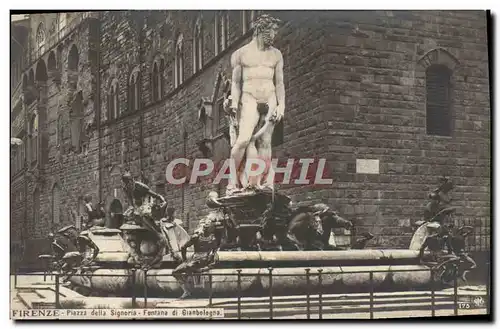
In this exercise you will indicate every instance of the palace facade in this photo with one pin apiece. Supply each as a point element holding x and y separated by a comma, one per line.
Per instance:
<point>392,100</point>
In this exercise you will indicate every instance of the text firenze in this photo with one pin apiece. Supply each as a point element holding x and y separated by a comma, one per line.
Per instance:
<point>293,171</point>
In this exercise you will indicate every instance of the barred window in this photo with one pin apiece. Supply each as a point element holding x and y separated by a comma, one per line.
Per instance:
<point>438,100</point>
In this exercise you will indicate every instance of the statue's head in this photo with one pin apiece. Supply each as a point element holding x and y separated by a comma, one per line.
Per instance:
<point>266,27</point>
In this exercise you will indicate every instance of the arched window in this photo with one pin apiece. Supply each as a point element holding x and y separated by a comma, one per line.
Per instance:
<point>34,137</point>
<point>179,61</point>
<point>198,46</point>
<point>157,79</point>
<point>134,97</point>
<point>247,17</point>
<point>73,58</point>
<point>438,100</point>
<point>40,39</point>
<point>113,104</point>
<point>221,31</point>
<point>56,201</point>
<point>41,71</point>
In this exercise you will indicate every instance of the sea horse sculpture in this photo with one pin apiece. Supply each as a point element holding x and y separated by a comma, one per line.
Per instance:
<point>71,251</point>
<point>437,235</point>
<point>141,231</point>
<point>206,241</point>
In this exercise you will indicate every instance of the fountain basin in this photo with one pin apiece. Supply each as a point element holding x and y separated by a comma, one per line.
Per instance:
<point>342,271</point>
<point>257,281</point>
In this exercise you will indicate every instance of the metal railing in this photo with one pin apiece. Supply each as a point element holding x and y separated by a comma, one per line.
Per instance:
<point>323,304</point>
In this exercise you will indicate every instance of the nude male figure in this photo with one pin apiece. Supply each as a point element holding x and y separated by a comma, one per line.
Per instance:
<point>257,85</point>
